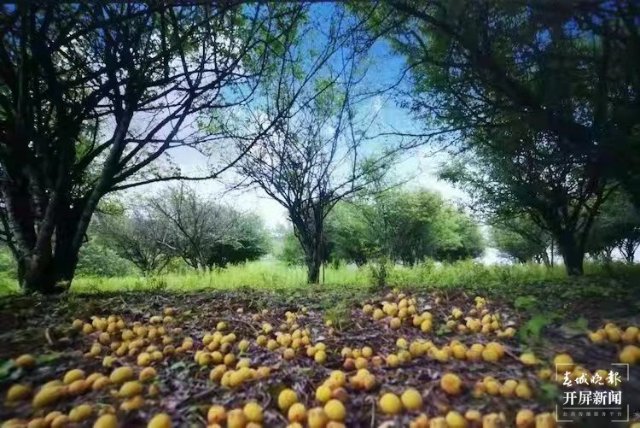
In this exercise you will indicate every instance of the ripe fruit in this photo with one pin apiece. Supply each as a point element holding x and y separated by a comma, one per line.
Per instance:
<point>18,392</point>
<point>297,413</point>
<point>253,412</point>
<point>493,420</point>
<point>25,361</point>
<point>106,421</point>
<point>411,399</point>
<point>438,422</point>
<point>473,415</point>
<point>317,418</point>
<point>236,419</point>
<point>323,393</point>
<point>528,359</point>
<point>563,362</point>
<point>78,387</point>
<point>395,323</point>
<point>47,396</point>
<point>130,389</point>
<point>392,360</point>
<point>490,355</point>
<point>422,421</point>
<point>630,354</point>
<point>121,375</point>
<point>72,376</point>
<point>523,391</point>
<point>161,420</point>
<point>335,410</point>
<point>455,420</point>
<point>390,404</point>
<point>320,357</point>
<point>451,384</point>
<point>525,419</point>
<point>148,373</point>
<point>598,336</point>
<point>80,413</point>
<point>216,414</point>
<point>60,421</point>
<point>545,420</point>
<point>286,399</point>
<point>144,359</point>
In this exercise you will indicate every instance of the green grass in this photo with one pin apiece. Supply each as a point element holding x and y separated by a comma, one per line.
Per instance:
<point>265,275</point>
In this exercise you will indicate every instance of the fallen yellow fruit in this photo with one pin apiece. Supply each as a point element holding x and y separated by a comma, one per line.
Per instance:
<point>148,373</point>
<point>545,420</point>
<point>161,420</point>
<point>630,354</point>
<point>528,359</point>
<point>563,362</point>
<point>411,399</point>
<point>390,404</point>
<point>525,419</point>
<point>25,361</point>
<point>216,414</point>
<point>121,375</point>
<point>106,421</point>
<point>253,412</point>
<point>47,396</point>
<point>335,410</point>
<point>80,413</point>
<point>297,413</point>
<point>317,418</point>
<point>236,419</point>
<point>130,389</point>
<point>18,392</point>
<point>451,384</point>
<point>72,376</point>
<point>455,420</point>
<point>286,399</point>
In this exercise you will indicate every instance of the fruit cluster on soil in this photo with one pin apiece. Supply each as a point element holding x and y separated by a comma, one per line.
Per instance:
<point>235,360</point>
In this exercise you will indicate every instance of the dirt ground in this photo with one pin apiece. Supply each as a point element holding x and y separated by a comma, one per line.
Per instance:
<point>462,353</point>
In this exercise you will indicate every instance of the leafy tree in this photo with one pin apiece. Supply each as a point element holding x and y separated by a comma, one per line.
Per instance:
<point>206,234</point>
<point>93,98</point>
<point>521,239</point>
<point>617,226</point>
<point>138,236</point>
<point>349,234</point>
<point>548,86</point>
<point>413,226</point>
<point>291,252</point>
<point>314,158</point>
<point>96,259</point>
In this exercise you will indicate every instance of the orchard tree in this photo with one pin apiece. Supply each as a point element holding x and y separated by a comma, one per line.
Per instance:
<point>95,95</point>
<point>617,227</point>
<point>206,234</point>
<point>314,157</point>
<point>552,87</point>
<point>137,235</point>
<point>521,239</point>
<point>528,175</point>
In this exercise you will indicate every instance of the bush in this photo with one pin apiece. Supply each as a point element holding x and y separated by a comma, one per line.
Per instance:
<point>97,260</point>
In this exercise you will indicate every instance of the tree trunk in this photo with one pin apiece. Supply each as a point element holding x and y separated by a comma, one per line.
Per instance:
<point>314,259</point>
<point>572,255</point>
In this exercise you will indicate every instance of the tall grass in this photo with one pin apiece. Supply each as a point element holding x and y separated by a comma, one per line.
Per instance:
<point>270,275</point>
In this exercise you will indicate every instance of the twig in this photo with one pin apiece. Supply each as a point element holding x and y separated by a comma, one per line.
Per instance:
<point>47,335</point>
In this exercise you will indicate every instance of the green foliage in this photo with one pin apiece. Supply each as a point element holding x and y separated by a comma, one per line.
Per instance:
<point>98,260</point>
<point>520,239</point>
<point>617,226</point>
<point>291,252</point>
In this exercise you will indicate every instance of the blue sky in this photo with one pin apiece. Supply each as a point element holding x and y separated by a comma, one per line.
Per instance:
<point>419,168</point>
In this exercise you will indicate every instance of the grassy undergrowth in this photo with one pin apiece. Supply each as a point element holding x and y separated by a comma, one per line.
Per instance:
<point>473,277</point>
